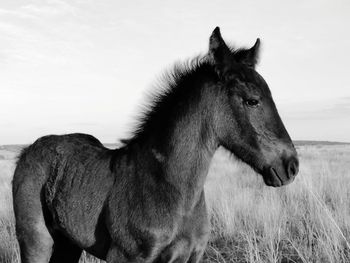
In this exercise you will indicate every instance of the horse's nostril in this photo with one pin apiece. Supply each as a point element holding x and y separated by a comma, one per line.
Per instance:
<point>293,167</point>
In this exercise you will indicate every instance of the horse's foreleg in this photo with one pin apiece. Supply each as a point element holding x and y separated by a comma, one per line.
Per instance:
<point>196,256</point>
<point>115,255</point>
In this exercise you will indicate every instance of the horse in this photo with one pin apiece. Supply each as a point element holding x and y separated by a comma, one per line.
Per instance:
<point>145,201</point>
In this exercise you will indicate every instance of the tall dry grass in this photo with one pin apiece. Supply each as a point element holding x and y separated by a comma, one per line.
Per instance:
<point>307,221</point>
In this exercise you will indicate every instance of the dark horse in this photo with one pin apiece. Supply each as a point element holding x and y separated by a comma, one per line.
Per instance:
<point>144,202</point>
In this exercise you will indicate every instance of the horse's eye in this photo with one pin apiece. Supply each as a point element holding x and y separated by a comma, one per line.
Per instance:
<point>251,102</point>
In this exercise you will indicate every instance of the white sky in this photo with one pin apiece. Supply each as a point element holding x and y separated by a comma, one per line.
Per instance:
<point>84,66</point>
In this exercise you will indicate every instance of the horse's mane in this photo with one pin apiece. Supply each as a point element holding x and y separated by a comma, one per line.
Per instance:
<point>172,87</point>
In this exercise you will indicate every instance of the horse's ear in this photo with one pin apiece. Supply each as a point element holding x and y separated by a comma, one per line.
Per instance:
<point>249,57</point>
<point>219,51</point>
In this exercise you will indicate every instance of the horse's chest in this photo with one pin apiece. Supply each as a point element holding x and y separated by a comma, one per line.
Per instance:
<point>189,239</point>
<point>177,237</point>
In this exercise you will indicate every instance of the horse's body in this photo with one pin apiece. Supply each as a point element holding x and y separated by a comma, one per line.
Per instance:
<point>145,201</point>
<point>90,195</point>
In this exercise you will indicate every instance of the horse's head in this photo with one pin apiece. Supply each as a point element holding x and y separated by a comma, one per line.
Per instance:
<point>247,121</point>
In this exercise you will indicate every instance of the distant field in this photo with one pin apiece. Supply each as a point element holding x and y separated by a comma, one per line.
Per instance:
<point>319,143</point>
<point>307,221</point>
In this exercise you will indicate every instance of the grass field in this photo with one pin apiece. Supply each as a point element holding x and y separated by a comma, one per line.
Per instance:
<point>307,221</point>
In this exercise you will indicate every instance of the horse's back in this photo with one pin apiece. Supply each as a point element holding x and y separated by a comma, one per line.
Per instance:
<point>66,180</point>
<point>35,161</point>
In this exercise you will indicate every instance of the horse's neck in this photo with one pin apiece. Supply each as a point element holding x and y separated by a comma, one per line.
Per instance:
<point>188,164</point>
<point>191,146</point>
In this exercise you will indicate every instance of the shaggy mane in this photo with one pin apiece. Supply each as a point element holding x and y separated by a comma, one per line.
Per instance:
<point>170,87</point>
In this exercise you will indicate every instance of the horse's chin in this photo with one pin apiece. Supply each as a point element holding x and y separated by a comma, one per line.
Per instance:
<point>273,175</point>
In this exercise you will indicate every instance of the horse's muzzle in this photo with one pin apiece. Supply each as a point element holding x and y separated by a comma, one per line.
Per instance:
<point>281,173</point>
